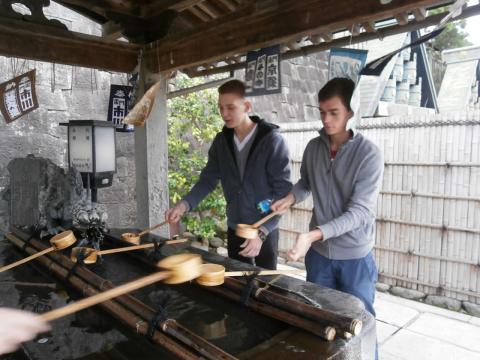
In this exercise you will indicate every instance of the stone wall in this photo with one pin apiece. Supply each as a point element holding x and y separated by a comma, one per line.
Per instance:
<point>64,93</point>
<point>301,80</point>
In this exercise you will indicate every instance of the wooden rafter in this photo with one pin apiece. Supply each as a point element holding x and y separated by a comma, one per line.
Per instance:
<point>345,41</point>
<point>208,8</point>
<point>229,4</point>
<point>276,22</point>
<point>197,12</point>
<point>159,6</point>
<point>38,42</point>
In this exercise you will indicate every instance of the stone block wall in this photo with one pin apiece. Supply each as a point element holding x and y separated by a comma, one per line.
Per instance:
<point>65,93</point>
<point>301,80</point>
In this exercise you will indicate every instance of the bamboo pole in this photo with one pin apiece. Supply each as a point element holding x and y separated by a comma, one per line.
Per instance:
<point>137,247</point>
<point>169,326</point>
<point>27,259</point>
<point>414,253</point>
<point>104,296</point>
<point>327,333</point>
<point>327,318</point>
<point>110,306</point>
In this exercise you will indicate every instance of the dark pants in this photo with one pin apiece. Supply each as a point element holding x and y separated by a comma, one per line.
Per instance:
<point>267,258</point>
<point>356,277</point>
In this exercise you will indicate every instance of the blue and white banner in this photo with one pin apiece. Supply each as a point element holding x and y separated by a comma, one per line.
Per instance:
<point>262,74</point>
<point>346,63</point>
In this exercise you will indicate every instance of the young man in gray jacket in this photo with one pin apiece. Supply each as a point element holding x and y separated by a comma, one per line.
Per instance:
<point>251,160</point>
<point>343,172</point>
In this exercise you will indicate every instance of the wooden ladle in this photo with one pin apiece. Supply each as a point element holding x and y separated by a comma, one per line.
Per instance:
<point>59,242</point>
<point>214,274</point>
<point>90,255</point>
<point>135,238</point>
<point>251,231</point>
<point>178,269</point>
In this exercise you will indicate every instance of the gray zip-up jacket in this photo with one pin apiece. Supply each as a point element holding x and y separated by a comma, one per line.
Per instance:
<point>344,191</point>
<point>266,175</point>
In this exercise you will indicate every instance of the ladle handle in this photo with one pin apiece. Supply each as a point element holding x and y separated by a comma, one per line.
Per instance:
<point>265,219</point>
<point>152,228</point>
<point>124,249</point>
<point>104,296</point>
<point>27,259</point>
<point>264,272</point>
<point>137,247</point>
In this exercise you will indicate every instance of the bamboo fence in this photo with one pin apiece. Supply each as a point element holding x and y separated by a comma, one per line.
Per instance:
<point>428,211</point>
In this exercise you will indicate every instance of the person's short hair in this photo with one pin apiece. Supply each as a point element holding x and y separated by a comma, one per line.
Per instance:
<point>341,87</point>
<point>235,86</point>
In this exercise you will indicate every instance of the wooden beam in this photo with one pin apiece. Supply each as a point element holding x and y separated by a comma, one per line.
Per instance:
<point>42,43</point>
<point>103,7</point>
<point>111,30</point>
<point>402,18</point>
<point>159,6</point>
<point>199,14</point>
<point>209,9</point>
<point>276,22</point>
<point>369,26</point>
<point>228,4</point>
<point>381,33</point>
<point>420,14</point>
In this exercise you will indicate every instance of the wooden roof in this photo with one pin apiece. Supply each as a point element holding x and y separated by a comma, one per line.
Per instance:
<point>196,35</point>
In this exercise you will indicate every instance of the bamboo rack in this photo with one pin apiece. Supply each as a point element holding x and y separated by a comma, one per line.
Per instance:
<point>325,332</point>
<point>327,318</point>
<point>86,279</point>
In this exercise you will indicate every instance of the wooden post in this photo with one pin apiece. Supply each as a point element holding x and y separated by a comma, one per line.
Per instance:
<point>151,159</point>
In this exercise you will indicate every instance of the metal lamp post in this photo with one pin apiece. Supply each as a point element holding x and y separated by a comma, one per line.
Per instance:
<point>91,150</point>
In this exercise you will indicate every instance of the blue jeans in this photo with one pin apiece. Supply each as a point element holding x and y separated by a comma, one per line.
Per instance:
<point>356,277</point>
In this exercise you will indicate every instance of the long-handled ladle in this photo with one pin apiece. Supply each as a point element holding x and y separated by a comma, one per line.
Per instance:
<point>214,274</point>
<point>135,238</point>
<point>177,269</point>
<point>251,231</point>
<point>59,242</point>
<point>90,255</point>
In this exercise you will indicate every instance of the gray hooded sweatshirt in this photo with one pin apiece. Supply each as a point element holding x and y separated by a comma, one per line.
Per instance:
<point>344,191</point>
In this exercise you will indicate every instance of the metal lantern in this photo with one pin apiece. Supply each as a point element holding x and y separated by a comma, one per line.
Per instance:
<point>91,150</point>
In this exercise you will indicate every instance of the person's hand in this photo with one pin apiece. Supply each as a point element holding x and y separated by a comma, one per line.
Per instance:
<point>174,214</point>
<point>281,206</point>
<point>303,243</point>
<point>251,247</point>
<point>17,326</point>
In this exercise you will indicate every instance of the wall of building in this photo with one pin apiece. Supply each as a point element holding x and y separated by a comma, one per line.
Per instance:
<point>301,79</point>
<point>66,92</point>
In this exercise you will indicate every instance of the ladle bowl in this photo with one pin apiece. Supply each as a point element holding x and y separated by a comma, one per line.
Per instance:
<point>90,256</point>
<point>59,242</point>
<point>178,269</point>
<point>251,231</point>
<point>214,274</point>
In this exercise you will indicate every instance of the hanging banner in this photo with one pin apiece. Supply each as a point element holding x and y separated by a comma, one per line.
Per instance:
<point>375,68</point>
<point>346,63</point>
<point>119,105</point>
<point>262,74</point>
<point>18,96</point>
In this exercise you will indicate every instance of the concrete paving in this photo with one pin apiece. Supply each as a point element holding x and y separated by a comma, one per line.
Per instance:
<point>408,330</point>
<point>411,330</point>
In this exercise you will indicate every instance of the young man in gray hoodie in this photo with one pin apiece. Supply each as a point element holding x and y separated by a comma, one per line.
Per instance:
<point>251,160</point>
<point>343,171</point>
